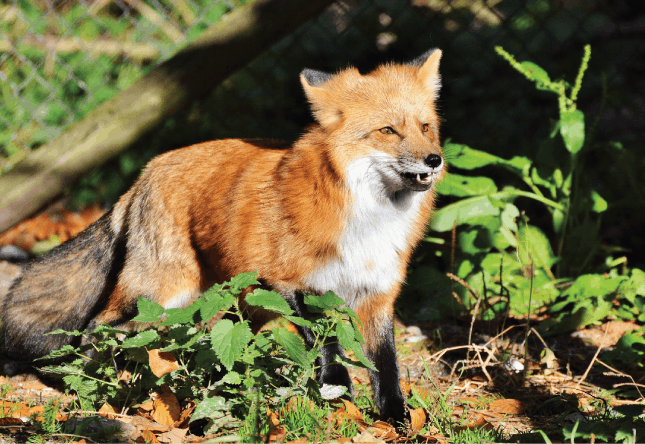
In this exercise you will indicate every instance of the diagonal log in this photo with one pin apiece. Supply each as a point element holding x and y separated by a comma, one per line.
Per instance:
<point>115,125</point>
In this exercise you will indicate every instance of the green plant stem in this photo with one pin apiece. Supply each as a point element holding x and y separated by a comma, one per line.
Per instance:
<point>533,196</point>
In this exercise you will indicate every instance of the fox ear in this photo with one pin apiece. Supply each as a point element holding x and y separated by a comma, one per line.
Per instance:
<point>324,108</point>
<point>428,64</point>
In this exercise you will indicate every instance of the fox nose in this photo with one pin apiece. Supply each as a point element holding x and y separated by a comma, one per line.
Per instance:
<point>433,161</point>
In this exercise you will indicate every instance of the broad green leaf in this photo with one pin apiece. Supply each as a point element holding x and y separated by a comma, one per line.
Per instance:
<point>345,335</point>
<point>186,315</point>
<point>461,212</point>
<point>474,240</point>
<point>293,345</point>
<point>269,300</point>
<point>599,204</point>
<point>213,303</point>
<point>228,340</point>
<point>233,378</point>
<point>244,280</point>
<point>209,407</point>
<point>630,349</point>
<point>572,128</point>
<point>298,321</point>
<point>149,311</point>
<point>634,286</point>
<point>508,216</point>
<point>466,158</point>
<point>536,72</point>
<point>520,163</point>
<point>534,246</point>
<point>463,186</point>
<point>141,339</point>
<point>328,301</point>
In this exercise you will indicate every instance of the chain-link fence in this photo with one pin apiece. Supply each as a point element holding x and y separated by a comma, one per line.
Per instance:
<point>60,59</point>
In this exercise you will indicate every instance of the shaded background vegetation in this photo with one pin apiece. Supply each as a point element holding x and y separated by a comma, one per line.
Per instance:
<point>484,103</point>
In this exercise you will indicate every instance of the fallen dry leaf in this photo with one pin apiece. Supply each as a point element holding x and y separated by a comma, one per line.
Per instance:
<point>107,411</point>
<point>366,437</point>
<point>147,436</point>
<point>162,363</point>
<point>297,404</point>
<point>10,421</point>
<point>405,387</point>
<point>428,438</point>
<point>185,416</point>
<point>278,434</point>
<point>349,411</point>
<point>142,423</point>
<point>418,419</point>
<point>477,423</point>
<point>508,406</point>
<point>166,407</point>
<point>174,435</point>
<point>383,430</point>
<point>273,418</point>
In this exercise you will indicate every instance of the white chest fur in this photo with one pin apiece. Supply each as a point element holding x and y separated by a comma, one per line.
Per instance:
<point>377,231</point>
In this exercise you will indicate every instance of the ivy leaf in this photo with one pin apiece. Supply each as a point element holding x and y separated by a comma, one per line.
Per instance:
<point>228,340</point>
<point>293,345</point>
<point>269,300</point>
<point>572,128</point>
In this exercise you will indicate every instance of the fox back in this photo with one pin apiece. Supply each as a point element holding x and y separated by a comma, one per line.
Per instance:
<point>341,209</point>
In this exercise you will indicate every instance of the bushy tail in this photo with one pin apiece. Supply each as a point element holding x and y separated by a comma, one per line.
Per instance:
<point>61,289</point>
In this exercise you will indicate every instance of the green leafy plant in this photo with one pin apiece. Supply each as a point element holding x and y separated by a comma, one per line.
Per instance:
<point>228,371</point>
<point>513,265</point>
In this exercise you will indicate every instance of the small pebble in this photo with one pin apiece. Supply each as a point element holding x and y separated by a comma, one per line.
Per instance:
<point>13,254</point>
<point>513,365</point>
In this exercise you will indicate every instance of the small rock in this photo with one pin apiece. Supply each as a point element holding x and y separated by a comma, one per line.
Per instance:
<point>13,254</point>
<point>513,365</point>
<point>414,330</point>
<point>98,424</point>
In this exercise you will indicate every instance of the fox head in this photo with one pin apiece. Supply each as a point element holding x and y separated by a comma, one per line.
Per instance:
<point>388,116</point>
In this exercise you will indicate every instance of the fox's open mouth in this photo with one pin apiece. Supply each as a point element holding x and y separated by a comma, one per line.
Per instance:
<point>418,177</point>
<point>417,181</point>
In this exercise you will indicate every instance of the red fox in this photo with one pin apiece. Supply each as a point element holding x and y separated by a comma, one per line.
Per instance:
<point>341,210</point>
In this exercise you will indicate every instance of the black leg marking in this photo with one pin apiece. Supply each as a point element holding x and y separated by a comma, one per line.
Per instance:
<point>385,383</point>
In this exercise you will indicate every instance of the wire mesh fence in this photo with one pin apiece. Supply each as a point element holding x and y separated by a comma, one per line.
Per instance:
<point>59,60</point>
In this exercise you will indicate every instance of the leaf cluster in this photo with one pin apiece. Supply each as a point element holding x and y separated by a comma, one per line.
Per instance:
<point>555,265</point>
<point>226,369</point>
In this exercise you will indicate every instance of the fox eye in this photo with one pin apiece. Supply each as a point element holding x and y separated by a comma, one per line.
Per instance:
<point>387,130</point>
<point>425,128</point>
